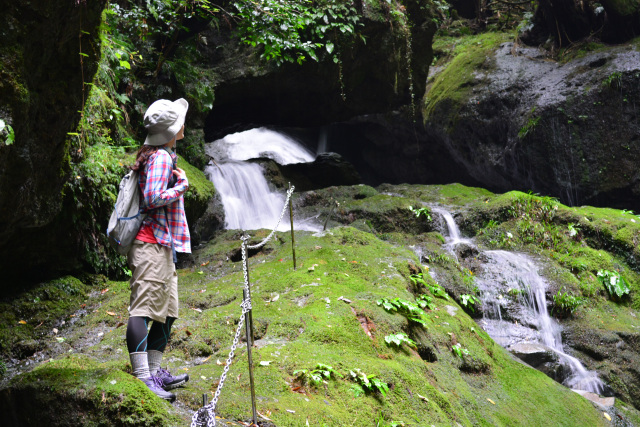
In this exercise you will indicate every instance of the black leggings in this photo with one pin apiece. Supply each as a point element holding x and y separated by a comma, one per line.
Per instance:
<point>139,339</point>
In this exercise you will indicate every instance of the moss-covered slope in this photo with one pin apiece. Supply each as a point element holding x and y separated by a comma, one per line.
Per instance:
<point>328,311</point>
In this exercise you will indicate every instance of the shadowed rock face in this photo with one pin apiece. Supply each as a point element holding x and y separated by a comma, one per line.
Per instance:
<point>41,90</point>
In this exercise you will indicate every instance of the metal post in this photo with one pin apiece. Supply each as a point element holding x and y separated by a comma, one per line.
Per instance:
<point>293,238</point>
<point>333,208</point>
<point>248,319</point>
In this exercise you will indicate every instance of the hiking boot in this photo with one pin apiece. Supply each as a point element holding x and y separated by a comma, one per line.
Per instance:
<point>155,385</point>
<point>169,381</point>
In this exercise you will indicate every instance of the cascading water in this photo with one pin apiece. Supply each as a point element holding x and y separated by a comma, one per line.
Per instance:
<point>507,274</point>
<point>454,237</point>
<point>249,203</point>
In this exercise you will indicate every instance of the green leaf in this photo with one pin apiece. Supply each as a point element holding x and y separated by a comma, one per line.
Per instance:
<point>330,47</point>
<point>312,54</point>
<point>125,64</point>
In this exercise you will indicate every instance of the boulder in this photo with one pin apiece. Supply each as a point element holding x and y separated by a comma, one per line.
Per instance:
<point>542,358</point>
<point>564,130</point>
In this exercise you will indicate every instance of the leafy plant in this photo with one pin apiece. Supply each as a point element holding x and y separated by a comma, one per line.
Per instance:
<point>400,338</point>
<point>315,376</point>
<point>529,127</point>
<point>573,229</point>
<point>293,31</point>
<point>469,301</point>
<point>469,279</point>
<point>418,212</point>
<point>459,351</point>
<point>516,292</point>
<point>407,308</point>
<point>381,422</point>
<point>368,384</point>
<point>425,301</point>
<point>434,288</point>
<point>7,132</point>
<point>566,303</point>
<point>491,224</point>
<point>534,207</point>
<point>615,284</point>
<point>613,81</point>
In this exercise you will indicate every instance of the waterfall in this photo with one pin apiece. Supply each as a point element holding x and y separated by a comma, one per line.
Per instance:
<point>454,232</point>
<point>257,143</point>
<point>249,203</point>
<point>507,274</point>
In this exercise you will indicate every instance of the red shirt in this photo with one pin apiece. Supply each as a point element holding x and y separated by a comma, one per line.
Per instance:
<point>146,234</point>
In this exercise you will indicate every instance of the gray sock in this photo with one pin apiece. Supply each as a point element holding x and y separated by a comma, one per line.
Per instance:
<point>140,364</point>
<point>155,358</point>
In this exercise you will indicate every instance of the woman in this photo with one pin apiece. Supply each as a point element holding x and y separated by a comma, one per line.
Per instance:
<point>154,282</point>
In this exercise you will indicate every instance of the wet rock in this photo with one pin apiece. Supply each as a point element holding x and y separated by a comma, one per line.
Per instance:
<point>615,355</point>
<point>534,354</point>
<point>466,251</point>
<point>542,358</point>
<point>604,402</point>
<point>531,124</point>
<point>211,221</point>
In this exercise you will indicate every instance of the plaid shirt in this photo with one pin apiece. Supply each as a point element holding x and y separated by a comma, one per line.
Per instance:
<point>153,184</point>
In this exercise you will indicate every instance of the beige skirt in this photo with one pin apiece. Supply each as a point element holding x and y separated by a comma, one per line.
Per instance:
<point>154,282</point>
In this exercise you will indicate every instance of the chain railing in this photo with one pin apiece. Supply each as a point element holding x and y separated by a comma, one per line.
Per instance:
<point>206,415</point>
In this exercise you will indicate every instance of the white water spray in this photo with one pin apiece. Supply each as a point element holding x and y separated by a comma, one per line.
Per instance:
<point>256,143</point>
<point>249,203</point>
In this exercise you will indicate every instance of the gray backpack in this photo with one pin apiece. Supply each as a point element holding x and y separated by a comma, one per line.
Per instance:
<point>127,216</point>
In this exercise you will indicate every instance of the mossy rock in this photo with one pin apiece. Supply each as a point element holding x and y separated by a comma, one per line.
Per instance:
<point>75,390</point>
<point>454,84</point>
<point>26,322</point>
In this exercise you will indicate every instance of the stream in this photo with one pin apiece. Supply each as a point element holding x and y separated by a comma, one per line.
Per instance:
<point>508,276</point>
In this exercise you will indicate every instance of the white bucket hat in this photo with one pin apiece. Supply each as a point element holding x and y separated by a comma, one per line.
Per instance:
<point>163,120</point>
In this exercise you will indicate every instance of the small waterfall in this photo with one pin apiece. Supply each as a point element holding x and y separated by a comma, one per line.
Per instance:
<point>249,203</point>
<point>507,274</point>
<point>452,227</point>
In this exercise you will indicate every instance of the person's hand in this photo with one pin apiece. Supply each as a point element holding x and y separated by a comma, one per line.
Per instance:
<point>180,174</point>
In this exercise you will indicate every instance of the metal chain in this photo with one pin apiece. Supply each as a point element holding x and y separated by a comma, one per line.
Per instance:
<point>284,209</point>
<point>206,415</point>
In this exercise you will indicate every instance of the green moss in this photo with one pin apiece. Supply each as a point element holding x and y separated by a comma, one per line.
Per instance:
<point>26,323</point>
<point>448,195</point>
<point>325,311</point>
<point>200,191</point>
<point>101,395</point>
<point>454,84</point>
